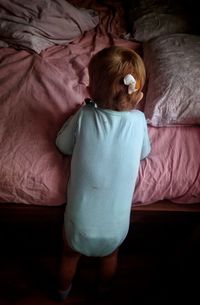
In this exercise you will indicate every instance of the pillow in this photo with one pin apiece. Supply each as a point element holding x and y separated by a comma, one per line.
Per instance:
<point>151,18</point>
<point>39,24</point>
<point>173,75</point>
<point>153,24</point>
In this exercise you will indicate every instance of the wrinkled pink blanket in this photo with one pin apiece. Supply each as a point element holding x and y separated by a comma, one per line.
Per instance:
<point>37,94</point>
<point>172,170</point>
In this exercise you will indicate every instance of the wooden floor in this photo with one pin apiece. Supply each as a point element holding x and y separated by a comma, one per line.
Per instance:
<point>158,265</point>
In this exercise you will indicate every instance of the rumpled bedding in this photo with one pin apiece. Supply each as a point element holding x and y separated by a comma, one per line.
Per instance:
<point>38,24</point>
<point>173,71</point>
<point>172,170</point>
<point>39,91</point>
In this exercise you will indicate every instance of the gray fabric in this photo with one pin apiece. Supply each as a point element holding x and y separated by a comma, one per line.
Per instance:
<point>173,73</point>
<point>39,24</point>
<point>153,25</point>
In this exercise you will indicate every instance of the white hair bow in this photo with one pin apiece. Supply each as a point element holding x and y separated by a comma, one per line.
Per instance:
<point>130,81</point>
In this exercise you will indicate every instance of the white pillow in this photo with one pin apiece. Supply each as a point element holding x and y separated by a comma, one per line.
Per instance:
<point>39,24</point>
<point>173,80</point>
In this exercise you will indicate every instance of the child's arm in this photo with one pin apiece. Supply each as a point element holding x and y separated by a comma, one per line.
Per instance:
<point>146,148</point>
<point>65,139</point>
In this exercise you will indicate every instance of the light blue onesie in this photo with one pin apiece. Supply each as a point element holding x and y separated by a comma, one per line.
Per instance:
<point>106,148</point>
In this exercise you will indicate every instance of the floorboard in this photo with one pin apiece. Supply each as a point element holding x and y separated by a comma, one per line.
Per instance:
<point>158,265</point>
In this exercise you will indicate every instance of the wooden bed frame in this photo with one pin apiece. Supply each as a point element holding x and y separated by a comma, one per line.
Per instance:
<point>36,230</point>
<point>24,213</point>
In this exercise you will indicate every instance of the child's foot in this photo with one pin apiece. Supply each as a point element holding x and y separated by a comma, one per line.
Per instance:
<point>63,294</point>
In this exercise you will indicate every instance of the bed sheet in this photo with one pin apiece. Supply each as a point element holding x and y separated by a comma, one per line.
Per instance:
<point>172,170</point>
<point>39,91</point>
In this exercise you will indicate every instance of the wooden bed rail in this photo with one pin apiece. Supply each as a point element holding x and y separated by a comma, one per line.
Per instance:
<point>164,211</point>
<point>36,230</point>
<point>15,212</point>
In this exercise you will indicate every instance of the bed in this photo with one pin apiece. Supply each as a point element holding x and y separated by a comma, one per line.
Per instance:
<point>45,47</point>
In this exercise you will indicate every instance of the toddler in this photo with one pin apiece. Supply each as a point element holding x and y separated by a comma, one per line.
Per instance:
<point>106,138</point>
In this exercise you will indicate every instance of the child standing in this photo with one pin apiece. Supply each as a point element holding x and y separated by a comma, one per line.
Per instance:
<point>107,138</point>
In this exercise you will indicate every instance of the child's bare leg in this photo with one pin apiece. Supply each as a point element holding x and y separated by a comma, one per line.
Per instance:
<point>68,266</point>
<point>108,266</point>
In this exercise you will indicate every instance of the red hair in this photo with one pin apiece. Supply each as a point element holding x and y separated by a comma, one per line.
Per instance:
<point>107,70</point>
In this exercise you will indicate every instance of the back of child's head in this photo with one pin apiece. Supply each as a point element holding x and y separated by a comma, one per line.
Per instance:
<point>107,70</point>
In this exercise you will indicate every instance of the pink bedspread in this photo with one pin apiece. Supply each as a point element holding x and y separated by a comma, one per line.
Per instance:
<point>37,94</point>
<point>172,170</point>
